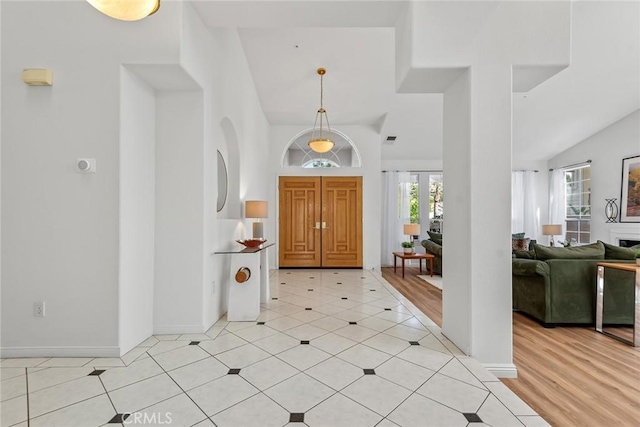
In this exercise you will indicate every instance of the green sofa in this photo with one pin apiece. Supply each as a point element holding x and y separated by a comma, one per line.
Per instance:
<point>558,285</point>
<point>433,246</point>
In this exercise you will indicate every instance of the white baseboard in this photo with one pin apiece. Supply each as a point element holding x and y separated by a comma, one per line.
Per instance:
<point>13,352</point>
<point>178,329</point>
<point>502,370</point>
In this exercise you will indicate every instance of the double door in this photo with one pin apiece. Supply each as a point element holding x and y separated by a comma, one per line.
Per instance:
<point>320,222</point>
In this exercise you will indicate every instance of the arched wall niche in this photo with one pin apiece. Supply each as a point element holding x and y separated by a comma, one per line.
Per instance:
<point>344,154</point>
<point>230,150</point>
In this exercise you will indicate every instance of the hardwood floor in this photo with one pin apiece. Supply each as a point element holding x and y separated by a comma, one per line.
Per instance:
<point>571,376</point>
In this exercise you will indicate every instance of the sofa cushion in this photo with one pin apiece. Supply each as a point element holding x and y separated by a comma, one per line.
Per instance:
<point>524,254</point>
<point>436,237</point>
<point>591,251</point>
<point>517,236</point>
<point>617,252</point>
<point>529,267</point>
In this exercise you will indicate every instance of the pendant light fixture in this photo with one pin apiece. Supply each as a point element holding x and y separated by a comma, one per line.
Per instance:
<point>126,10</point>
<point>319,143</point>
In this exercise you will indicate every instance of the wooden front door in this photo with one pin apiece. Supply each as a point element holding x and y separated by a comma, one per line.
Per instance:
<point>320,222</point>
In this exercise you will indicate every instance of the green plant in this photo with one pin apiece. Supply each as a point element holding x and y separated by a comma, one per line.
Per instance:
<point>407,244</point>
<point>638,255</point>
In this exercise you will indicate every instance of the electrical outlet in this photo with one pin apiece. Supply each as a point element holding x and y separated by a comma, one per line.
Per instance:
<point>38,309</point>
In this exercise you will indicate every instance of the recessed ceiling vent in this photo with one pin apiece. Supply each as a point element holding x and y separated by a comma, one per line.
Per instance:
<point>390,140</point>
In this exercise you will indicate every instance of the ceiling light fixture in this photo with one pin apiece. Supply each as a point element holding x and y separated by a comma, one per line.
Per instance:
<point>126,10</point>
<point>318,142</point>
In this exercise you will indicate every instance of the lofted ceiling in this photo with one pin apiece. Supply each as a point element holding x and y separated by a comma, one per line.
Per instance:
<point>286,41</point>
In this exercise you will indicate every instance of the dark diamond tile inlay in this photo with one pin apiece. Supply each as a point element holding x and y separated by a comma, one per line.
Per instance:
<point>283,283</point>
<point>353,323</point>
<point>194,343</point>
<point>296,417</point>
<point>472,418</point>
<point>274,298</point>
<point>344,298</point>
<point>260,323</point>
<point>308,308</point>
<point>338,283</point>
<point>96,372</point>
<point>311,277</point>
<point>304,342</point>
<point>369,371</point>
<point>335,272</point>
<point>309,290</point>
<point>118,418</point>
<point>414,343</point>
<point>234,371</point>
<point>387,309</point>
<point>372,290</point>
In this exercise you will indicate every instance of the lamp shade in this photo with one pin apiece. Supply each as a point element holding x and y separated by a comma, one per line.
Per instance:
<point>126,10</point>
<point>552,230</point>
<point>411,229</point>
<point>255,209</point>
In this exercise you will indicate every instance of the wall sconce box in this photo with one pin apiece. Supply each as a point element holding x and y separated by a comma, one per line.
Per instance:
<point>37,76</point>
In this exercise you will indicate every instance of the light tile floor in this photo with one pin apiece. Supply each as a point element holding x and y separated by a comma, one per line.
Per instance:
<point>331,348</point>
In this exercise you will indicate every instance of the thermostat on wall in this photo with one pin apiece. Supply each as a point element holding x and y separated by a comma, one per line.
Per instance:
<point>86,165</point>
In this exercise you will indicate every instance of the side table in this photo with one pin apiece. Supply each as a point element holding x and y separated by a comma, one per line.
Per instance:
<point>403,256</point>
<point>600,300</point>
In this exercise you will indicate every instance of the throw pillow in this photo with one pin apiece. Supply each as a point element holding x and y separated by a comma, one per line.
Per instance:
<point>592,251</point>
<point>517,236</point>
<point>617,252</point>
<point>520,244</point>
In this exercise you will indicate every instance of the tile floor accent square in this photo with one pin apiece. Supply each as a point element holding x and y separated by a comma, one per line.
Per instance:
<point>344,298</point>
<point>387,309</point>
<point>118,418</point>
<point>338,283</point>
<point>472,418</point>
<point>309,290</point>
<point>260,323</point>
<point>369,371</point>
<point>194,343</point>
<point>353,323</point>
<point>296,417</point>
<point>234,371</point>
<point>97,372</point>
<point>275,299</point>
<point>308,308</point>
<point>304,342</point>
<point>414,343</point>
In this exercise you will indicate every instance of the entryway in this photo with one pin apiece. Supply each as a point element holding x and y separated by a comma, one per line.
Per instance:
<point>320,221</point>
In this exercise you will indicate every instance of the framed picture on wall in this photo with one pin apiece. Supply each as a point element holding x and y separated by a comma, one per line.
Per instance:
<point>630,199</point>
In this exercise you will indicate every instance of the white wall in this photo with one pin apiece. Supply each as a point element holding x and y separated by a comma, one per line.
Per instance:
<point>60,229</point>
<point>137,210</point>
<point>606,149</point>
<point>179,212</point>
<point>367,142</point>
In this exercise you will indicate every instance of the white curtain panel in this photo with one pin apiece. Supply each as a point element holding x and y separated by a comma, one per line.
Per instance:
<point>517,202</point>
<point>391,226</point>
<point>525,213</point>
<point>404,178</point>
<point>557,198</point>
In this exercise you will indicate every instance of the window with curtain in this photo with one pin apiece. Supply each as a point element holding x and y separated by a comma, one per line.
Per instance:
<point>578,203</point>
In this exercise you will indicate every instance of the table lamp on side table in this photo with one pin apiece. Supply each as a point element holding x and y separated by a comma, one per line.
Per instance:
<point>411,230</point>
<point>256,209</point>
<point>552,230</point>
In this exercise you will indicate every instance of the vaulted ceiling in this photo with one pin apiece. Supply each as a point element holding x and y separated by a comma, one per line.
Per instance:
<point>286,41</point>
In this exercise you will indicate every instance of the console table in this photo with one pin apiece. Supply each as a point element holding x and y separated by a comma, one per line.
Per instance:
<point>245,297</point>
<point>600,300</point>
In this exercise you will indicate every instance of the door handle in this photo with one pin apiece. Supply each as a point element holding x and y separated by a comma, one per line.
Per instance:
<point>317,226</point>
<point>324,225</point>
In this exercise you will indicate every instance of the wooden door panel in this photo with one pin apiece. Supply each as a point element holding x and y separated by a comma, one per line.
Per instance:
<point>342,213</point>
<point>299,209</point>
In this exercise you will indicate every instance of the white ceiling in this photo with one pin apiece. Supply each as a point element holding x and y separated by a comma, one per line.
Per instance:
<point>286,41</point>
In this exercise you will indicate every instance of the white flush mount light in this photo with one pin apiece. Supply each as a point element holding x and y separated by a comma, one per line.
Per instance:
<point>126,10</point>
